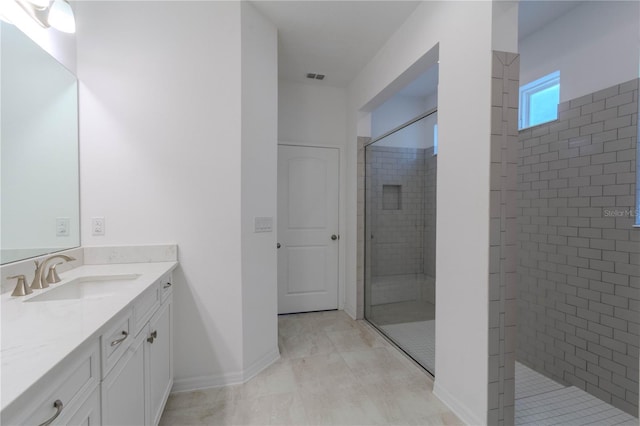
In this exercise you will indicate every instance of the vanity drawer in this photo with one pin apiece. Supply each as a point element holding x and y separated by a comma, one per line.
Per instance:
<point>73,382</point>
<point>166,286</point>
<point>145,306</point>
<point>115,341</point>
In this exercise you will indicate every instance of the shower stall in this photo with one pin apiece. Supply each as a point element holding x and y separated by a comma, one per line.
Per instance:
<point>400,225</point>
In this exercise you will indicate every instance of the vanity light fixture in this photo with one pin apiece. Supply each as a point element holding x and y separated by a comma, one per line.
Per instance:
<point>56,14</point>
<point>61,16</point>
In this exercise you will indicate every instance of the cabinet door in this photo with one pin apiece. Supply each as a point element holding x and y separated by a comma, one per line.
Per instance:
<point>160,359</point>
<point>123,389</point>
<point>89,412</point>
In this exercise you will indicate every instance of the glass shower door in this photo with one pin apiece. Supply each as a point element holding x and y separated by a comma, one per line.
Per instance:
<point>400,218</point>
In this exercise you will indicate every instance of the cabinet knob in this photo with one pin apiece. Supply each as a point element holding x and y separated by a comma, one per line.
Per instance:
<point>334,237</point>
<point>152,336</point>
<point>58,405</point>
<point>167,285</point>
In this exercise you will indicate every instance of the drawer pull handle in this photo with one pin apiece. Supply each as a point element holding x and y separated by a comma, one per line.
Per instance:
<point>58,405</point>
<point>153,336</point>
<point>167,285</point>
<point>120,340</point>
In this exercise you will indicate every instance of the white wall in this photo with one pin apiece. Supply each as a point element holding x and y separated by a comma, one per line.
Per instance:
<point>315,114</point>
<point>259,187</point>
<point>160,135</point>
<point>583,44</point>
<point>463,184</point>
<point>311,114</point>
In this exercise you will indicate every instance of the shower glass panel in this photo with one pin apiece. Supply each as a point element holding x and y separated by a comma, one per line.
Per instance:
<point>400,237</point>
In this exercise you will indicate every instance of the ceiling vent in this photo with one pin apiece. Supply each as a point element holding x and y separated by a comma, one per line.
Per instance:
<point>313,76</point>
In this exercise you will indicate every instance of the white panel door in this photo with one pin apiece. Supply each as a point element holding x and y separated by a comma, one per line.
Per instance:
<point>308,197</point>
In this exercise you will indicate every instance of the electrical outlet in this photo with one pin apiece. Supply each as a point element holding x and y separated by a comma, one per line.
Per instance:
<point>62,227</point>
<point>97,226</point>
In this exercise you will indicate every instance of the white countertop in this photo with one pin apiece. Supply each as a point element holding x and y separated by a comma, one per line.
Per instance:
<point>36,336</point>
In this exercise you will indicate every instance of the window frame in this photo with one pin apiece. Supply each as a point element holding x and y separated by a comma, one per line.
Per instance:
<point>530,89</point>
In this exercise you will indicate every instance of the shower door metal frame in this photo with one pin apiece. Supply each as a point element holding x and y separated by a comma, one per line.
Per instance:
<point>367,234</point>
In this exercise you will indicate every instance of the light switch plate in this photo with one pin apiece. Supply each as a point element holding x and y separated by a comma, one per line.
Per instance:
<point>263,224</point>
<point>97,226</point>
<point>62,227</point>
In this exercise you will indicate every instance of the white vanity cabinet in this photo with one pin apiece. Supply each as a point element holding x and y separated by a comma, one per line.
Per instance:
<point>135,390</point>
<point>67,394</point>
<point>122,375</point>
<point>123,390</point>
<point>159,359</point>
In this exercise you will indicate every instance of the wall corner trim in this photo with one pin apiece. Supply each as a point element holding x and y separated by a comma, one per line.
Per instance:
<point>454,405</point>
<point>350,310</point>
<point>188,384</point>
<point>261,364</point>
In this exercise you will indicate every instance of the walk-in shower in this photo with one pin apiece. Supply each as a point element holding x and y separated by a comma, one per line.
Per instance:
<point>400,235</point>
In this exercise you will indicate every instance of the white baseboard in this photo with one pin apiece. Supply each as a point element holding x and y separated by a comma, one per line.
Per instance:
<point>186,384</point>
<point>351,311</point>
<point>454,405</point>
<point>234,378</point>
<point>261,364</point>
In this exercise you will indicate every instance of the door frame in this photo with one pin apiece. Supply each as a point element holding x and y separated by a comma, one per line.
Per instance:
<point>341,211</point>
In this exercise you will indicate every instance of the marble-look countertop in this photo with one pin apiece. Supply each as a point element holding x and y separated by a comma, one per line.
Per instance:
<point>36,336</point>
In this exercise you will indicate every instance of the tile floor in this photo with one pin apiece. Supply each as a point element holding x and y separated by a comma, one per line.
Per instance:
<point>333,371</point>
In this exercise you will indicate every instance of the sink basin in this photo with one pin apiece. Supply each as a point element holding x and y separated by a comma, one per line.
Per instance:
<point>92,287</point>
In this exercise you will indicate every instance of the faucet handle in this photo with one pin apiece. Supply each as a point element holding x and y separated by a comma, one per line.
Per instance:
<point>22,289</point>
<point>52,276</point>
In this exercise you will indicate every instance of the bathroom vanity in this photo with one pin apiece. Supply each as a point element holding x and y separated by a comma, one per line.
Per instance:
<point>95,348</point>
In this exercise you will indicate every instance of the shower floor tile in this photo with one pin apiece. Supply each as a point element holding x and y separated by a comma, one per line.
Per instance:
<point>417,339</point>
<point>530,383</point>
<point>569,406</point>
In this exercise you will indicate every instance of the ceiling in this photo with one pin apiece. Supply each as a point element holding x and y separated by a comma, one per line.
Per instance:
<point>335,38</point>
<point>535,14</point>
<point>338,38</point>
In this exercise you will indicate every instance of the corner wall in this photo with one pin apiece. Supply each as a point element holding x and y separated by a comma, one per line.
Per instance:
<point>166,157</point>
<point>259,185</point>
<point>503,238</point>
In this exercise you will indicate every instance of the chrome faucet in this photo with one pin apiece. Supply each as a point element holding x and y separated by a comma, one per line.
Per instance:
<point>40,279</point>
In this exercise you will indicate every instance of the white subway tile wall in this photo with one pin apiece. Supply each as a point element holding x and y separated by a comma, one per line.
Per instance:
<point>579,256</point>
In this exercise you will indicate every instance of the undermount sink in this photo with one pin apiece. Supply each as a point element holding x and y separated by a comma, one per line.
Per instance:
<point>92,287</point>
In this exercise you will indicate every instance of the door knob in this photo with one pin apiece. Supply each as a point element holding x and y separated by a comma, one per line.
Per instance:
<point>334,237</point>
<point>278,245</point>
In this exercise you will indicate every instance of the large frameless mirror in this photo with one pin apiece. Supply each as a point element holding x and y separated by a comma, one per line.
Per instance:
<point>39,207</point>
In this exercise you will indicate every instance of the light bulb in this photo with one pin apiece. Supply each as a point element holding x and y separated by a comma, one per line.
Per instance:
<point>61,16</point>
